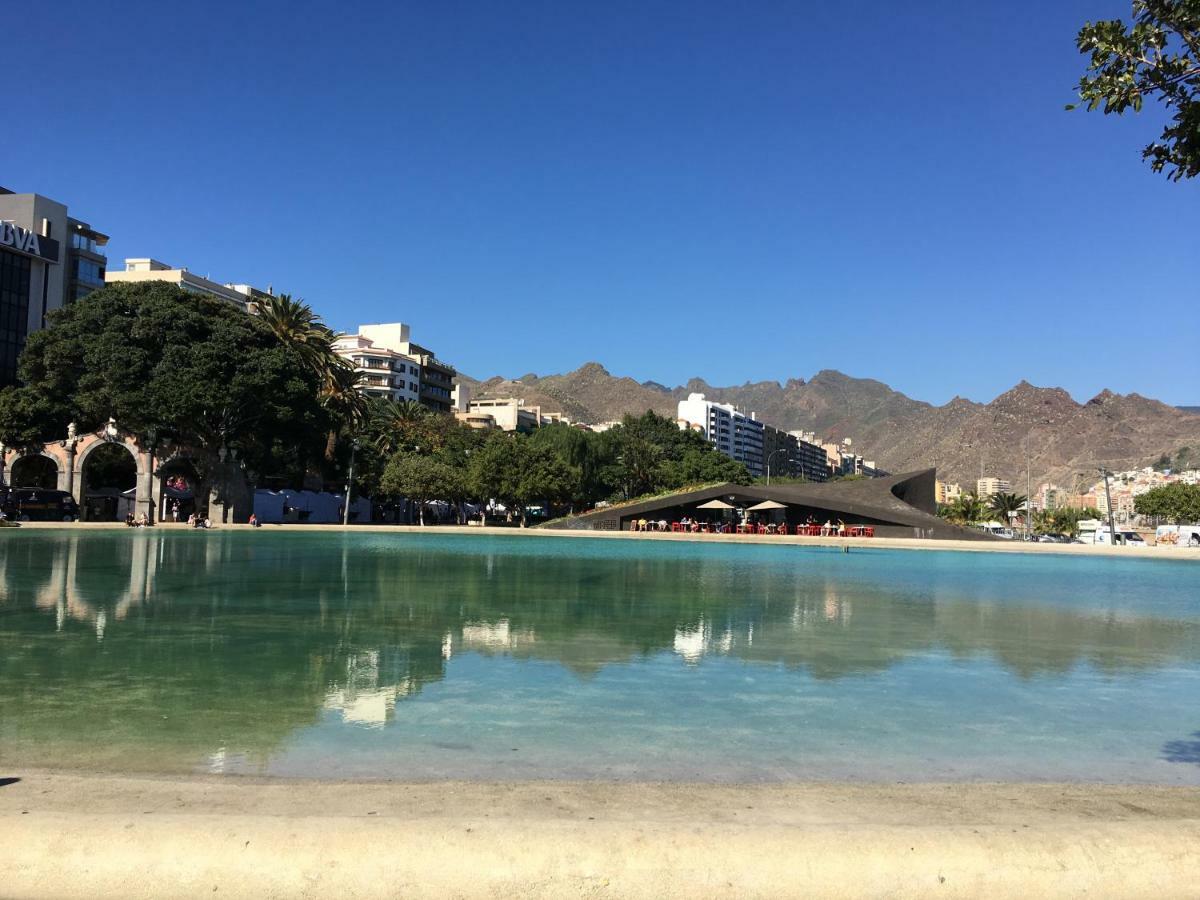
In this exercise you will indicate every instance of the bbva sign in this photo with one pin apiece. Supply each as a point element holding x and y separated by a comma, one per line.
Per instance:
<point>28,241</point>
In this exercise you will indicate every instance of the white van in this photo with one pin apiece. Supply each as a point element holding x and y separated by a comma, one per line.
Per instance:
<point>1127,537</point>
<point>1178,535</point>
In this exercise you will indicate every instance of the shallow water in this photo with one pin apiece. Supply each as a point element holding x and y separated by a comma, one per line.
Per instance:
<point>365,655</point>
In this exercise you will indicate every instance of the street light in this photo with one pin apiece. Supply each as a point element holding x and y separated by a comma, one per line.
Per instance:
<point>769,455</point>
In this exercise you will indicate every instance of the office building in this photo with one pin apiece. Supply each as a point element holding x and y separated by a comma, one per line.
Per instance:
<point>48,259</point>
<point>737,435</point>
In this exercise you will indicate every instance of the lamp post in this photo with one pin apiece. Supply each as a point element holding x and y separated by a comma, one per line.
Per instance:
<point>769,457</point>
<point>349,482</point>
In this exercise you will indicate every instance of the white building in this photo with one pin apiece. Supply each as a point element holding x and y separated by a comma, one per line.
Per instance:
<point>386,372</point>
<point>395,366</point>
<point>509,414</point>
<point>737,435</point>
<point>986,487</point>
<point>147,269</point>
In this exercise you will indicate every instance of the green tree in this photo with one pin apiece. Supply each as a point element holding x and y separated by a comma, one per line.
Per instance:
<point>297,327</point>
<point>966,509</point>
<point>1178,503</point>
<point>167,363</point>
<point>495,469</point>
<point>517,472</point>
<point>545,478</point>
<point>302,332</point>
<point>421,478</point>
<point>1158,57</point>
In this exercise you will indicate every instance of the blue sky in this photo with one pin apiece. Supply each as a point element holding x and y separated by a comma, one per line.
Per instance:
<point>737,191</point>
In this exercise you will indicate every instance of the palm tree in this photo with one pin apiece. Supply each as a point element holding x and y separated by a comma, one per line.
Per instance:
<point>400,426</point>
<point>342,398</point>
<point>1004,506</point>
<point>966,509</point>
<point>300,330</point>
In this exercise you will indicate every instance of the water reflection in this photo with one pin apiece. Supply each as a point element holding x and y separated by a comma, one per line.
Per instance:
<point>233,642</point>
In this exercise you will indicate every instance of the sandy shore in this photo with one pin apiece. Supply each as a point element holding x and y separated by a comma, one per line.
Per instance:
<point>1148,552</point>
<point>68,835</point>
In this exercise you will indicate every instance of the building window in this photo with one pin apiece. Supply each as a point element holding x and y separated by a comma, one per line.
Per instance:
<point>14,312</point>
<point>89,272</point>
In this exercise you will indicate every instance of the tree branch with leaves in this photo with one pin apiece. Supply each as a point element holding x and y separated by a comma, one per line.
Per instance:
<point>1158,56</point>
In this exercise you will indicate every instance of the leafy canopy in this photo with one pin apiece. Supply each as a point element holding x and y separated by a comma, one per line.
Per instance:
<point>1158,56</point>
<point>163,361</point>
<point>1178,502</point>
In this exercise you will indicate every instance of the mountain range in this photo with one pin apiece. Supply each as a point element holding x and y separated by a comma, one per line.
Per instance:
<point>1042,431</point>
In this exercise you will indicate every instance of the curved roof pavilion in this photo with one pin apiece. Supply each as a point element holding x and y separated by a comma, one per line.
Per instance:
<point>899,506</point>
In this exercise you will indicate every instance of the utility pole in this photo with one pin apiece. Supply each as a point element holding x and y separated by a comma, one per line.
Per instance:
<point>349,482</point>
<point>1112,528</point>
<point>1028,495</point>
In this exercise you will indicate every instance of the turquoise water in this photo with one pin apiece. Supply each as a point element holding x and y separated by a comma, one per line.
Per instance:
<point>378,655</point>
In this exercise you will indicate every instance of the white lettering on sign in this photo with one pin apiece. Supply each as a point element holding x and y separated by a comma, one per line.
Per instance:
<point>19,238</point>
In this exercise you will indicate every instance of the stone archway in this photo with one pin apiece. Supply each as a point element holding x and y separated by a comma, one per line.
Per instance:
<point>40,470</point>
<point>221,489</point>
<point>81,448</point>
<point>175,478</point>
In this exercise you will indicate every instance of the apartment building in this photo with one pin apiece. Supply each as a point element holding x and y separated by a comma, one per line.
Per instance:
<point>737,435</point>
<point>383,372</point>
<point>985,487</point>
<point>811,461</point>
<point>144,268</point>
<point>947,492</point>
<point>395,367</point>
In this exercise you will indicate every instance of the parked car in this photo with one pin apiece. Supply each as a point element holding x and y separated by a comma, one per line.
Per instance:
<point>41,505</point>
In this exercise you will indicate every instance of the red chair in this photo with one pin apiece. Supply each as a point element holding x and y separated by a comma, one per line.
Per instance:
<point>868,531</point>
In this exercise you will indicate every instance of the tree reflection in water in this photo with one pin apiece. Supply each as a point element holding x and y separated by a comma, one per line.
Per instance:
<point>237,640</point>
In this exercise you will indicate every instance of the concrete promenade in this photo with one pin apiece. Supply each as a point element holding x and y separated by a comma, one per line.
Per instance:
<point>71,835</point>
<point>1147,552</point>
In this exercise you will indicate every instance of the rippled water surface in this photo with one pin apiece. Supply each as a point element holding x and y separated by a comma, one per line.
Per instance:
<point>366,655</point>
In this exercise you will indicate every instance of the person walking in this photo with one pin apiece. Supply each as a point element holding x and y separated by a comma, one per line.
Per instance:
<point>175,511</point>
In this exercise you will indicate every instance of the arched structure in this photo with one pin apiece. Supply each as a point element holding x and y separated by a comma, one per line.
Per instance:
<point>18,472</point>
<point>178,463</point>
<point>71,455</point>
<point>222,492</point>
